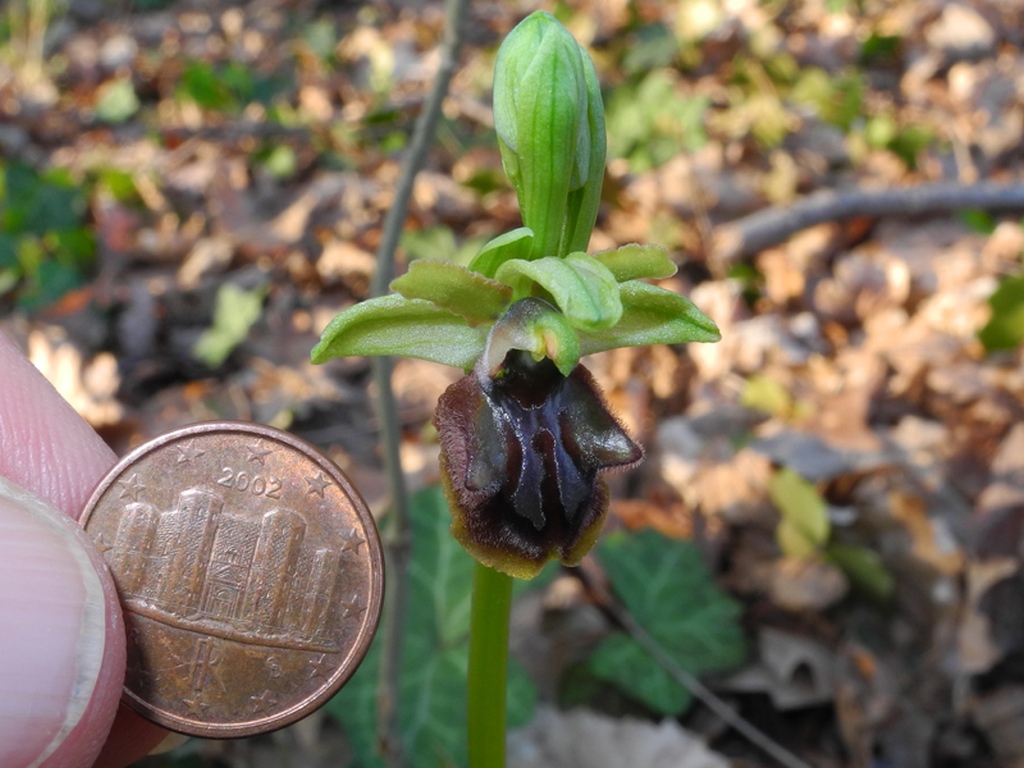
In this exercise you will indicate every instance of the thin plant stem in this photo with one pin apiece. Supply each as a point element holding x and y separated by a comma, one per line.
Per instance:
<point>397,535</point>
<point>488,667</point>
<point>396,555</point>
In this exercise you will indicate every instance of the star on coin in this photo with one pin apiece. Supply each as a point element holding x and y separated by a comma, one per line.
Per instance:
<point>317,484</point>
<point>319,667</point>
<point>187,452</point>
<point>102,544</point>
<point>131,488</point>
<point>257,453</point>
<point>351,541</point>
<point>351,608</point>
<point>195,705</point>
<point>263,702</point>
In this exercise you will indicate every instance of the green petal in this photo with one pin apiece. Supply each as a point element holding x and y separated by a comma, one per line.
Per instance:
<point>455,288</point>
<point>637,262</point>
<point>652,315</point>
<point>511,245</point>
<point>393,325</point>
<point>583,288</point>
<point>533,326</point>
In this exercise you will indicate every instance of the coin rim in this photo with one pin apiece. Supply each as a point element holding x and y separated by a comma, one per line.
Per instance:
<point>374,600</point>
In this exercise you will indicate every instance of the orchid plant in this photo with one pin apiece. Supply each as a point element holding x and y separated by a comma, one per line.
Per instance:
<point>525,435</point>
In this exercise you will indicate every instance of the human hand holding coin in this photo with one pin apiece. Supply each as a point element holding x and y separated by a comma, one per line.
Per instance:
<point>62,642</point>
<point>247,572</point>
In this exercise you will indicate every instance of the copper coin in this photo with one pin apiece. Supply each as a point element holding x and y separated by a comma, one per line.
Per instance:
<point>250,573</point>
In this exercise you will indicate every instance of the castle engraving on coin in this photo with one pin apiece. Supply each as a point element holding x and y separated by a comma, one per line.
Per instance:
<point>250,573</point>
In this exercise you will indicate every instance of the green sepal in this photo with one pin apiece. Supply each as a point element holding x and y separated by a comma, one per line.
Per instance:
<point>534,326</point>
<point>652,315</point>
<point>394,325</point>
<point>455,288</point>
<point>510,245</point>
<point>637,262</point>
<point>584,289</point>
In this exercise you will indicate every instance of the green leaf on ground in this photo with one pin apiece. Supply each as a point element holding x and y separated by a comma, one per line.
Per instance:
<point>864,568</point>
<point>651,315</point>
<point>765,394</point>
<point>234,314</point>
<point>837,98</point>
<point>439,243</point>
<point>201,83</point>
<point>650,122</point>
<point>45,247</point>
<point>1005,328</point>
<point>38,203</point>
<point>669,591</point>
<point>979,221</point>
<point>281,162</point>
<point>394,325</point>
<point>805,526</point>
<point>116,101</point>
<point>432,684</point>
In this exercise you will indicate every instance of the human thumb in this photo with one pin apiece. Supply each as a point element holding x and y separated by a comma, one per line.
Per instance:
<point>62,647</point>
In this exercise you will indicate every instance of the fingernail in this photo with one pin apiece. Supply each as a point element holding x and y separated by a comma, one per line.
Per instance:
<point>54,616</point>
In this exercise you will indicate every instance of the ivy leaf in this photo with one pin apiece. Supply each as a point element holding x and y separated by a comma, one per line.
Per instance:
<point>652,315</point>
<point>457,289</point>
<point>511,245</point>
<point>432,682</point>
<point>394,325</point>
<point>582,287</point>
<point>636,262</point>
<point>669,591</point>
<point>233,315</point>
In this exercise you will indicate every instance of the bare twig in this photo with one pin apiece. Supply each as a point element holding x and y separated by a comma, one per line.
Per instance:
<point>726,713</point>
<point>396,538</point>
<point>771,226</point>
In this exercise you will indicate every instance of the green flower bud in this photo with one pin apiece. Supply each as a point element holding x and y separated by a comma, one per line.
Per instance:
<point>550,124</point>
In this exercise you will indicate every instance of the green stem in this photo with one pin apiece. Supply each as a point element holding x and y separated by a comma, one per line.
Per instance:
<point>488,667</point>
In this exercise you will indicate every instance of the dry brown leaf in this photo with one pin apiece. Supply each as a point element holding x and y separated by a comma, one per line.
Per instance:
<point>796,671</point>
<point>806,584</point>
<point>999,715</point>
<point>582,739</point>
<point>975,646</point>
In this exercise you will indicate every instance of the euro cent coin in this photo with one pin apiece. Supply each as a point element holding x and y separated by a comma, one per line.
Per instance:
<point>250,574</point>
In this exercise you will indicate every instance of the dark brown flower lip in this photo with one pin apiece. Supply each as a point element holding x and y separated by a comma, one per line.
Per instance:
<point>522,454</point>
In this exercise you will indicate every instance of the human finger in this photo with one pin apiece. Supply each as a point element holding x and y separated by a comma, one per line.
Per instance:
<point>49,450</point>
